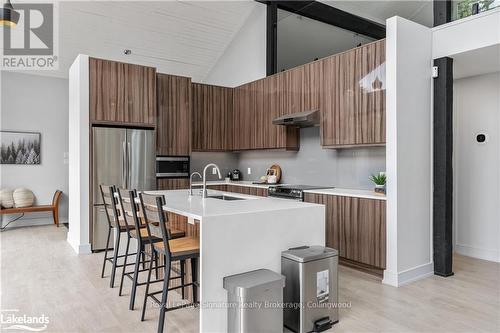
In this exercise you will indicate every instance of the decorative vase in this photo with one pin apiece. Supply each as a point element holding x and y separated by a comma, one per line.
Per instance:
<point>380,189</point>
<point>23,197</point>
<point>6,198</point>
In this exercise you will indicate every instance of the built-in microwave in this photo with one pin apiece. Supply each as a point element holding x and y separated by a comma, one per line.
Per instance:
<point>172,166</point>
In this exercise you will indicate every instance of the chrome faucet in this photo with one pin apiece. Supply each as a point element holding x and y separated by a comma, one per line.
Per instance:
<point>205,177</point>
<point>196,173</point>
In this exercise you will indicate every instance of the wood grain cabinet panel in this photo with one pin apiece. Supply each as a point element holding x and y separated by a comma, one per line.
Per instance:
<point>256,104</point>
<point>257,191</point>
<point>212,118</point>
<point>174,115</point>
<point>363,231</point>
<point>122,93</point>
<point>356,227</point>
<point>352,99</point>
<point>164,184</point>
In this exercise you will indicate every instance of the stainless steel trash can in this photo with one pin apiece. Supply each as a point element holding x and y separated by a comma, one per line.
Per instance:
<point>255,301</point>
<point>311,291</point>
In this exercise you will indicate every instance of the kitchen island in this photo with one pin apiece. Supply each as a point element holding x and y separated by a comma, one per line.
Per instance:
<point>237,236</point>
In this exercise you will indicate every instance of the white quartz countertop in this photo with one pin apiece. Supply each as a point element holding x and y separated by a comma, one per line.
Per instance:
<point>365,194</point>
<point>244,183</point>
<point>196,207</point>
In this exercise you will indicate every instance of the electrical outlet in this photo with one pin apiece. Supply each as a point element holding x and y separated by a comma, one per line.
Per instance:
<point>249,171</point>
<point>214,171</point>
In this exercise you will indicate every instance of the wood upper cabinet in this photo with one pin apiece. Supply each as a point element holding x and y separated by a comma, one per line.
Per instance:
<point>256,104</point>
<point>356,227</point>
<point>122,93</point>
<point>212,118</point>
<point>352,100</point>
<point>174,115</point>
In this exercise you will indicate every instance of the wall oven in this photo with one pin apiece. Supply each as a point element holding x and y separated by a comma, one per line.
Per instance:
<point>172,166</point>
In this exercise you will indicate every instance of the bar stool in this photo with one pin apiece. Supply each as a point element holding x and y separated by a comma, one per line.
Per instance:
<point>113,219</point>
<point>179,249</point>
<point>130,208</point>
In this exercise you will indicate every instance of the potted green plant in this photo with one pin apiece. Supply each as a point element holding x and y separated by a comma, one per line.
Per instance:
<point>379,181</point>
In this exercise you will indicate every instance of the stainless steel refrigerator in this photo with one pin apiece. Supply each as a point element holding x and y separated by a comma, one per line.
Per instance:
<point>123,157</point>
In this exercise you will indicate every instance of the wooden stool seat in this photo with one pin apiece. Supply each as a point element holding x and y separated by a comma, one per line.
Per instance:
<point>181,246</point>
<point>144,233</point>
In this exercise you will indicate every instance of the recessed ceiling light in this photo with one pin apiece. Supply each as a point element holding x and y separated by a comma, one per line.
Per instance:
<point>127,52</point>
<point>8,16</point>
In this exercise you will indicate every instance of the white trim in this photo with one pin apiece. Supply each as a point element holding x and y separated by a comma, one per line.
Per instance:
<point>415,273</point>
<point>390,278</point>
<point>477,252</point>
<point>408,276</point>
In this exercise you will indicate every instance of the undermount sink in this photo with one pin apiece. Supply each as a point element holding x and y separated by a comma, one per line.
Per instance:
<point>225,197</point>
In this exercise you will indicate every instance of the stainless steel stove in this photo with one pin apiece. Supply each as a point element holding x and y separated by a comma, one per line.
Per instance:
<point>294,192</point>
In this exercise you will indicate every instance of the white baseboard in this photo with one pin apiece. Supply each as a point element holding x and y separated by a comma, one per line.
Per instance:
<point>408,276</point>
<point>477,252</point>
<point>79,248</point>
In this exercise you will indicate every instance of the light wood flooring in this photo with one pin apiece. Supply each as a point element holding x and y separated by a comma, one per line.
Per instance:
<point>40,274</point>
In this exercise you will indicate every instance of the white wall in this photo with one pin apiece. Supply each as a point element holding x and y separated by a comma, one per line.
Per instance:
<point>79,173</point>
<point>476,197</point>
<point>408,161</point>
<point>473,32</point>
<point>244,60</point>
<point>38,104</point>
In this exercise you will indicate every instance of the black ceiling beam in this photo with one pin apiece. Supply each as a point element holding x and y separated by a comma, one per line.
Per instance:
<point>333,16</point>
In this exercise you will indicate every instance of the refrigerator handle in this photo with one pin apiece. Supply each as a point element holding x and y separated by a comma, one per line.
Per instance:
<point>124,166</point>
<point>129,161</point>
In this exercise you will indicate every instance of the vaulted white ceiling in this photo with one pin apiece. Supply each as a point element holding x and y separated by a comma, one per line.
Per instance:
<point>178,37</point>
<point>181,37</point>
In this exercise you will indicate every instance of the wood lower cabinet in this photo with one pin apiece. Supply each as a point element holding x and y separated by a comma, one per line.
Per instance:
<point>352,100</point>
<point>212,118</point>
<point>257,191</point>
<point>172,183</point>
<point>174,115</point>
<point>356,227</point>
<point>122,93</point>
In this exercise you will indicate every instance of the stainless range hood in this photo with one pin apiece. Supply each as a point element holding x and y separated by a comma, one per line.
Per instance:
<point>299,119</point>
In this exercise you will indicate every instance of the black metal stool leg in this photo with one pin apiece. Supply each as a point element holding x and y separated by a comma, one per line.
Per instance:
<point>138,260</point>
<point>124,265</point>
<point>115,259</point>
<point>182,263</point>
<point>143,254</point>
<point>106,253</point>
<point>164,295</point>
<point>151,261</point>
<point>156,265</point>
<point>194,278</point>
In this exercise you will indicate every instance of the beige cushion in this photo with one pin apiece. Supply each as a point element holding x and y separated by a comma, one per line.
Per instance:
<point>6,198</point>
<point>23,197</point>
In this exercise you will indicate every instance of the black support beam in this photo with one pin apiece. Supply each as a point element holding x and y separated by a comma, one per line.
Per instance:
<point>327,14</point>
<point>443,168</point>
<point>272,39</point>
<point>442,11</point>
